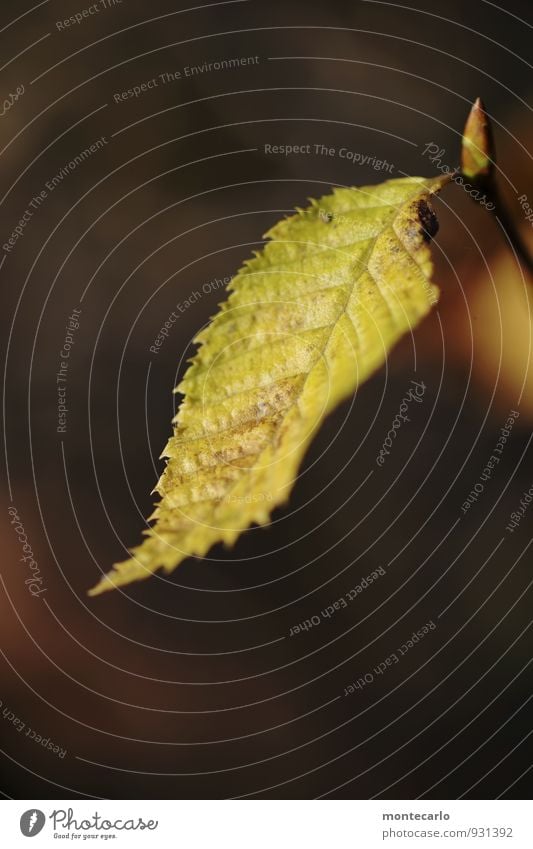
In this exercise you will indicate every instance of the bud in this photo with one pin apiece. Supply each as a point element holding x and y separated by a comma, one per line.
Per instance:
<point>477,151</point>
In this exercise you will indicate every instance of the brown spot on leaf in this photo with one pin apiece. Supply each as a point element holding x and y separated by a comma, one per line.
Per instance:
<point>427,219</point>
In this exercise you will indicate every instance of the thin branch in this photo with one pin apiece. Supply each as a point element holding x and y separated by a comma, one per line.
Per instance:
<point>478,158</point>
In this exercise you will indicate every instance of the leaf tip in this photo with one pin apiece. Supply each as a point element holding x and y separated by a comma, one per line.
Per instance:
<point>121,574</point>
<point>104,585</point>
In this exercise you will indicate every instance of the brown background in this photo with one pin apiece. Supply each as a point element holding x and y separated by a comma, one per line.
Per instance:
<point>183,687</point>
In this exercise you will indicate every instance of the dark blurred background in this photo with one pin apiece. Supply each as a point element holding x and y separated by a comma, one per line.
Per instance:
<point>190,685</point>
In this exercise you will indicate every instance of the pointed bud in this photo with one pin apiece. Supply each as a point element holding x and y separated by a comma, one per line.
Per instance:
<point>477,152</point>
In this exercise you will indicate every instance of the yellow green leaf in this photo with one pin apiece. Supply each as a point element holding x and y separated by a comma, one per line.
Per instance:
<point>308,319</point>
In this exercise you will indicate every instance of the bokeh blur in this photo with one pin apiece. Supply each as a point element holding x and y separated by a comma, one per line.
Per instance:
<point>190,685</point>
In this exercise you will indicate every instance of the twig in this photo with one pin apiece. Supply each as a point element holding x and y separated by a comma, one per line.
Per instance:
<point>478,159</point>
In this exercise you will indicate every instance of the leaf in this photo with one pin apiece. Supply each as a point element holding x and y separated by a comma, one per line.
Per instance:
<point>309,318</point>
